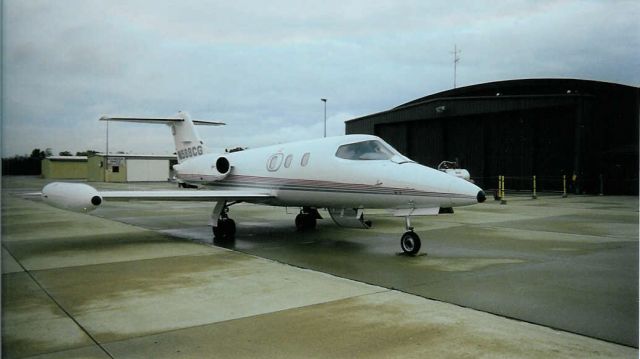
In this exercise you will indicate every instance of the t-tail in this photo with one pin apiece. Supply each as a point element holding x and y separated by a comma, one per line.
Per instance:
<point>187,141</point>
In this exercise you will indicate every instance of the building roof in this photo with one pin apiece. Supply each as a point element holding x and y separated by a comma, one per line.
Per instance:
<point>66,158</point>
<point>541,86</point>
<point>514,89</point>
<point>127,155</point>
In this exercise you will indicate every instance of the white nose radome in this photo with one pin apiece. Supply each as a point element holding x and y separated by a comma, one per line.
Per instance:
<point>465,193</point>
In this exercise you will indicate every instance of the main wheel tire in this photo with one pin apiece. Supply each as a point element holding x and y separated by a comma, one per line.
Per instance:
<point>305,221</point>
<point>410,243</point>
<point>309,222</point>
<point>217,231</point>
<point>230,228</point>
<point>300,222</point>
<point>226,229</point>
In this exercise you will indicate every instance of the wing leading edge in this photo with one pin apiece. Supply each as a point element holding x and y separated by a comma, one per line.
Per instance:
<point>84,198</point>
<point>185,195</point>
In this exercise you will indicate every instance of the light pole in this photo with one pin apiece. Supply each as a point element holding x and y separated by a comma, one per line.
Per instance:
<point>106,157</point>
<point>325,115</point>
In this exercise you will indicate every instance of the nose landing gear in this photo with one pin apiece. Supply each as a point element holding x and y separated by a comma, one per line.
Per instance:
<point>410,241</point>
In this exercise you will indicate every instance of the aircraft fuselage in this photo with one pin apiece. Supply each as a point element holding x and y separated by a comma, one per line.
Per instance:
<point>309,173</point>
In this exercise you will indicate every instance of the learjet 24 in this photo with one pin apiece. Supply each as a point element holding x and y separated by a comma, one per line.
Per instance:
<point>344,174</point>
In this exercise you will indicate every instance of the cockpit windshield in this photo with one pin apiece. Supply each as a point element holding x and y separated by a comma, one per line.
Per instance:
<point>365,150</point>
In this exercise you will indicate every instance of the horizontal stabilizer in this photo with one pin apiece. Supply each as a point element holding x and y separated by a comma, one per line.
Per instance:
<point>160,120</point>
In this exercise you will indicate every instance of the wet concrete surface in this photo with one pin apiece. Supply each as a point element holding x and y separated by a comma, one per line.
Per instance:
<point>112,288</point>
<point>352,328</point>
<point>570,264</point>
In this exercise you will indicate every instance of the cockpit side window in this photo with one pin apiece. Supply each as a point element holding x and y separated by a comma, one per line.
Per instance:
<point>365,150</point>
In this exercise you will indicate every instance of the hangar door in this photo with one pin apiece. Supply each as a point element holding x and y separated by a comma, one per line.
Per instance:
<point>147,170</point>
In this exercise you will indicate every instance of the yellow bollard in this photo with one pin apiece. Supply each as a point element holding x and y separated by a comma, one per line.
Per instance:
<point>564,186</point>
<point>535,193</point>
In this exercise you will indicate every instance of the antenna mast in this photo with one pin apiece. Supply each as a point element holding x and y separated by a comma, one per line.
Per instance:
<point>456,59</point>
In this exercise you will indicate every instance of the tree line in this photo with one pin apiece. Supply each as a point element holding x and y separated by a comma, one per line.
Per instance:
<point>30,164</point>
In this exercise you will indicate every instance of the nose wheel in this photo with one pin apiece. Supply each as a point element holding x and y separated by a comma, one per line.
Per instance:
<point>410,243</point>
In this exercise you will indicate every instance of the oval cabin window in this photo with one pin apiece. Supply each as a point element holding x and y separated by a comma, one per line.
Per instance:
<point>287,161</point>
<point>274,162</point>
<point>305,159</point>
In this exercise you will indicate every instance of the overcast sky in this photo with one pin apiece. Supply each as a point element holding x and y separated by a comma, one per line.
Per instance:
<point>263,66</point>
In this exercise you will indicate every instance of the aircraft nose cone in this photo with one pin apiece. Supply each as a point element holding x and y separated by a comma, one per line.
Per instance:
<point>481,197</point>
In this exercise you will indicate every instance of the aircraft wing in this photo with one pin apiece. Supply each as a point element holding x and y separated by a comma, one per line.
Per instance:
<point>83,198</point>
<point>185,195</point>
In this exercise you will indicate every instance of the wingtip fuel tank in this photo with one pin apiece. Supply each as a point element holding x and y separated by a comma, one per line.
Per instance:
<point>77,197</point>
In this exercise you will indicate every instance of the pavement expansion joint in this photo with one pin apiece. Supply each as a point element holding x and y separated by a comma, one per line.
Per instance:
<point>62,308</point>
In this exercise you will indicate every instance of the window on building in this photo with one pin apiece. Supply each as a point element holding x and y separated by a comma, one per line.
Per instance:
<point>115,169</point>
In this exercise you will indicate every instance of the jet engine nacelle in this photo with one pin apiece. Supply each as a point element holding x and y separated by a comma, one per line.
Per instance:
<point>222,168</point>
<point>78,197</point>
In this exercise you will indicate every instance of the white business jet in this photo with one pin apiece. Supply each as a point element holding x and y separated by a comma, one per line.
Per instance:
<point>344,174</point>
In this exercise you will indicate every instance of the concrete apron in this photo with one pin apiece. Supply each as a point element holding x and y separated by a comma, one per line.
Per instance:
<point>81,286</point>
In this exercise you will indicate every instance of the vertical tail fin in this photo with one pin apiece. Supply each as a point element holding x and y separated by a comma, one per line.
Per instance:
<point>186,139</point>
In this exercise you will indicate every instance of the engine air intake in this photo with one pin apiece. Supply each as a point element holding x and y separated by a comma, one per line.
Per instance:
<point>222,165</point>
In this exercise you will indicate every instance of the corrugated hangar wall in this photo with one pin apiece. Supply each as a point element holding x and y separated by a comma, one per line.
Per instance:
<point>543,127</point>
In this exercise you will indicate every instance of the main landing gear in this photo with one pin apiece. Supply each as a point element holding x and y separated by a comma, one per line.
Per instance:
<point>224,228</point>
<point>307,219</point>
<point>410,241</point>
